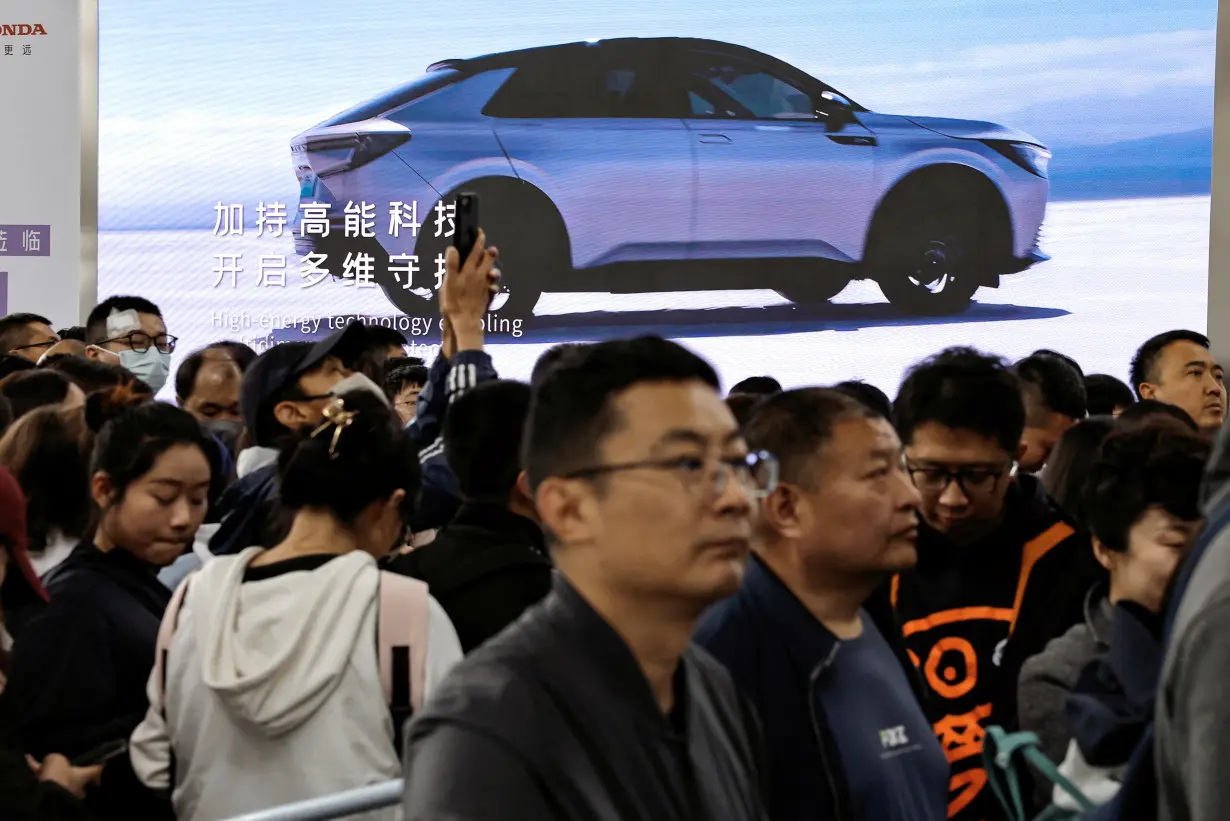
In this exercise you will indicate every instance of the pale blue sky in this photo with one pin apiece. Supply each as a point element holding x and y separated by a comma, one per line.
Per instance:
<point>199,98</point>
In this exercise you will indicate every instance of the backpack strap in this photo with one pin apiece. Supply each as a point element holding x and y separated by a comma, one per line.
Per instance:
<point>166,632</point>
<point>402,643</point>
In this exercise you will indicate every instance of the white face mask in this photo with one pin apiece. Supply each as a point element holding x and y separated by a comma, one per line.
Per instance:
<point>151,366</point>
<point>359,382</point>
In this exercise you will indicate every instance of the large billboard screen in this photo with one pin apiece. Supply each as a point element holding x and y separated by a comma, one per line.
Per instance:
<point>819,191</point>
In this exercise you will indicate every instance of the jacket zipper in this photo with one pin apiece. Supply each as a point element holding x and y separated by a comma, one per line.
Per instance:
<point>825,663</point>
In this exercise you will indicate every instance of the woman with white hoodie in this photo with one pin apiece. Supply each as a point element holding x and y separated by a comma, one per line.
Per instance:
<point>277,666</point>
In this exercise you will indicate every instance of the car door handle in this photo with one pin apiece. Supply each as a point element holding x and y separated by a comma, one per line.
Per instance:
<point>715,139</point>
<point>852,139</point>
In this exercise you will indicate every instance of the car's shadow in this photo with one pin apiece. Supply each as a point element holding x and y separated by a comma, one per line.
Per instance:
<point>594,326</point>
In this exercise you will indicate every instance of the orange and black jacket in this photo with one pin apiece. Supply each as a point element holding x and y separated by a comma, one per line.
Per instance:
<point>972,614</point>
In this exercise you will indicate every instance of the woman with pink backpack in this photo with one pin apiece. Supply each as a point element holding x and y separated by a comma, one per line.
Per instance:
<point>286,673</point>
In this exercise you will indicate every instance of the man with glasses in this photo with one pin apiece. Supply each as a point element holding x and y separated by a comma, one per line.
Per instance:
<point>1000,570</point>
<point>129,331</point>
<point>595,704</point>
<point>26,335</point>
<point>837,694</point>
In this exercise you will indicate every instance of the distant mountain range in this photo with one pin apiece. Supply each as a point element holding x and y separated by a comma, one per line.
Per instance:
<point>1167,165</point>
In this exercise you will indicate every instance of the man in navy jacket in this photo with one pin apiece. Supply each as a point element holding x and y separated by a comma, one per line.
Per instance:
<point>840,701</point>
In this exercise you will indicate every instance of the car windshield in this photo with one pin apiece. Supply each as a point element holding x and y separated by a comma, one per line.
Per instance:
<point>389,100</point>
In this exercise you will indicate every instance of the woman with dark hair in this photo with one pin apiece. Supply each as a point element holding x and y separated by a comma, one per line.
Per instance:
<point>34,389</point>
<point>29,790</point>
<point>270,661</point>
<point>80,666</point>
<point>1064,476</point>
<point>48,451</point>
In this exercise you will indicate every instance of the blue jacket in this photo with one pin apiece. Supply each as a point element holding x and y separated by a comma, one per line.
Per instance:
<point>776,652</point>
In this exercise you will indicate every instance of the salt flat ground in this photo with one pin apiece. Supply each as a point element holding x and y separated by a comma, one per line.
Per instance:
<point>1120,271</point>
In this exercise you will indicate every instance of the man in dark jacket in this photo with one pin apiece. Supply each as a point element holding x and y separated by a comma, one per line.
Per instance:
<point>1000,570</point>
<point>490,564</point>
<point>846,735</point>
<point>594,704</point>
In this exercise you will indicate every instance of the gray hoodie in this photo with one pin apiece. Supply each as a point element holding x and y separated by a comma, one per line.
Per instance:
<point>273,691</point>
<point>1047,678</point>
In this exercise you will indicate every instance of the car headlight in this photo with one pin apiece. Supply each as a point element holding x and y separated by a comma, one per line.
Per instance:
<point>1033,158</point>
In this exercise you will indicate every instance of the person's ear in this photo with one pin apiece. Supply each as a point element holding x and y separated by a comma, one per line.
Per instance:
<point>102,490</point>
<point>568,509</point>
<point>1105,556</point>
<point>1148,390</point>
<point>290,415</point>
<point>786,512</point>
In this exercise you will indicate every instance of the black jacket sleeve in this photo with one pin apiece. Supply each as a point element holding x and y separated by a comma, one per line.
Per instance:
<point>22,796</point>
<point>459,774</point>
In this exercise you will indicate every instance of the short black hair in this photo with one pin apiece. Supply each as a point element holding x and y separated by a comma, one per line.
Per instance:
<point>1142,467</point>
<point>14,329</point>
<point>869,395</point>
<point>962,389</point>
<point>1076,366</point>
<point>1146,410</point>
<point>550,357</point>
<point>76,332</point>
<point>28,390</point>
<point>743,405</point>
<point>1068,466</point>
<point>794,425</point>
<point>89,374</point>
<point>1144,363</point>
<point>397,378</point>
<point>1049,382</point>
<point>190,368</point>
<point>1106,394</point>
<point>11,363</point>
<point>763,385</point>
<point>373,458</point>
<point>96,322</point>
<point>482,439</point>
<point>572,409</point>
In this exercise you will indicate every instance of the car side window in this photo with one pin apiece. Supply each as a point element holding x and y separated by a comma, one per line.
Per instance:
<point>761,94</point>
<point>572,89</point>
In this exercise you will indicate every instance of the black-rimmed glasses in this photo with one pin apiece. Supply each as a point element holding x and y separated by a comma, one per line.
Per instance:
<point>755,472</point>
<point>142,342</point>
<point>936,478</point>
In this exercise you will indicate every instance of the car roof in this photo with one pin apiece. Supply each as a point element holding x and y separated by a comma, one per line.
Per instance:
<point>517,57</point>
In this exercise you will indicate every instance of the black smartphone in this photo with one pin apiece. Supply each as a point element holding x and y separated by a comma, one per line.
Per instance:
<point>102,753</point>
<point>465,225</point>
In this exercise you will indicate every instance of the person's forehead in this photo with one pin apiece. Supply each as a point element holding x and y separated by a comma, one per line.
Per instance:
<point>152,324</point>
<point>1178,354</point>
<point>937,443</point>
<point>650,412</point>
<point>40,329</point>
<point>217,375</point>
<point>854,441</point>
<point>171,463</point>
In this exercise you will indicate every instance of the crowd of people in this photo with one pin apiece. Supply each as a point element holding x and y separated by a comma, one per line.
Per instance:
<point>611,592</point>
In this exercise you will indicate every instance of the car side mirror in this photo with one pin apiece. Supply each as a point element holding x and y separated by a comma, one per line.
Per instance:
<point>835,110</point>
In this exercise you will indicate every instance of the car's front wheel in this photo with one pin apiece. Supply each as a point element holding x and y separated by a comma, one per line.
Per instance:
<point>927,263</point>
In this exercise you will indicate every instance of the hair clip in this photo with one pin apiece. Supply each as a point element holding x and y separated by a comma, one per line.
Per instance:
<point>339,418</point>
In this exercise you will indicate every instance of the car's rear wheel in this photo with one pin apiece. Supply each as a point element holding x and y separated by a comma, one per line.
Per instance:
<point>926,263</point>
<point>813,287</point>
<point>524,225</point>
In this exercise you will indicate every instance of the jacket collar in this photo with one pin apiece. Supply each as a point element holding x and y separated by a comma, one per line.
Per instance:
<point>607,655</point>
<point>253,459</point>
<point>1027,512</point>
<point>500,520</point>
<point>802,632</point>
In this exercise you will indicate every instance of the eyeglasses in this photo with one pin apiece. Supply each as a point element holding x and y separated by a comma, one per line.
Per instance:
<point>935,479</point>
<point>756,472</point>
<point>141,342</point>
<point>46,344</point>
